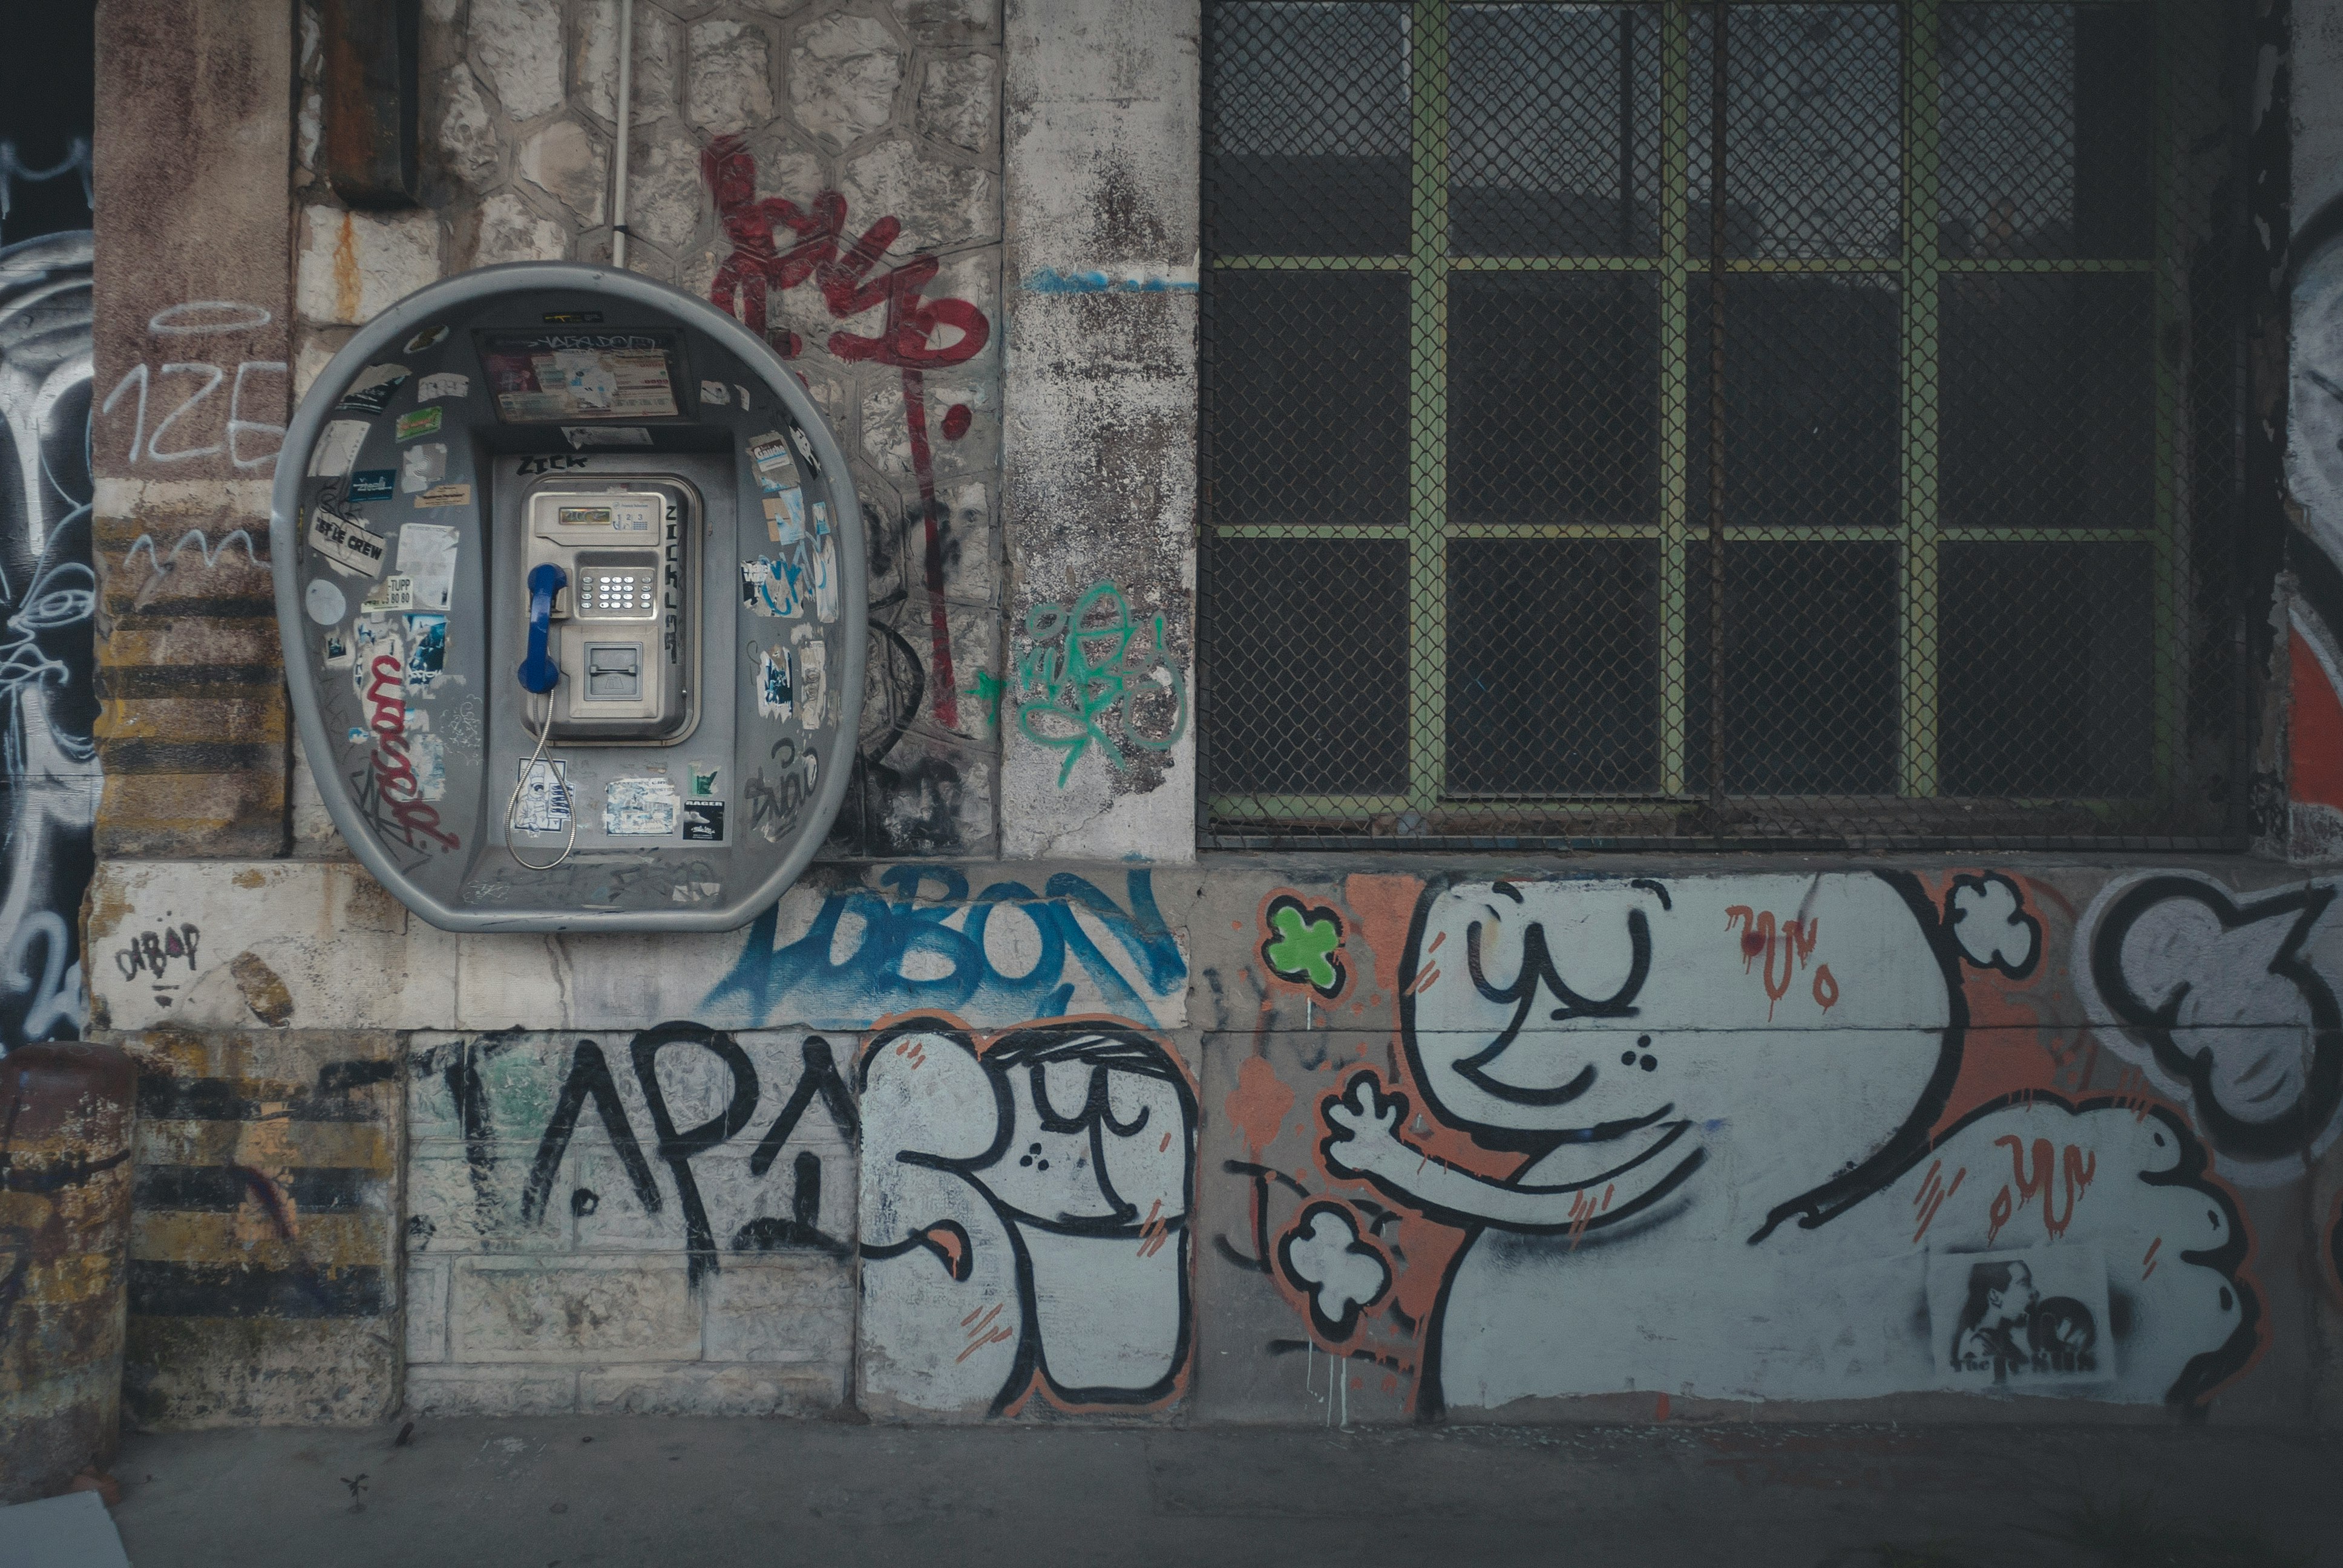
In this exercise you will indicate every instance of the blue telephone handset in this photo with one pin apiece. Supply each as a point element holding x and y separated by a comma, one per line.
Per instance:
<point>538,672</point>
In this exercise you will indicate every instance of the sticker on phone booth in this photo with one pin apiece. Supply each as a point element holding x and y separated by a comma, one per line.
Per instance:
<point>703,821</point>
<point>643,807</point>
<point>784,517</point>
<point>350,544</point>
<point>544,805</point>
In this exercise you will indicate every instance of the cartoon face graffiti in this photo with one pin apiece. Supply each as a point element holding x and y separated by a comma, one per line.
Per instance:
<point>1025,1211</point>
<point>1728,1093</point>
<point>1612,1027</point>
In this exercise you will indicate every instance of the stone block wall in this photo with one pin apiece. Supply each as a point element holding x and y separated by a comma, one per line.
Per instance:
<point>264,1274</point>
<point>648,1224</point>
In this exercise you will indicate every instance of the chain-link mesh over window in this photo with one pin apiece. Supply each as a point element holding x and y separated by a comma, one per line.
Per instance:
<point>1735,422</point>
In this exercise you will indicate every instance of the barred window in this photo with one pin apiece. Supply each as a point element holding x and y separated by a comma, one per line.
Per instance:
<point>1751,423</point>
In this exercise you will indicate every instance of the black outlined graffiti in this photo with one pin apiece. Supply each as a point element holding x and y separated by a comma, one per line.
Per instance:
<point>1596,1026</point>
<point>1987,916</point>
<point>2230,1000</point>
<point>1025,1207</point>
<point>1325,1256</point>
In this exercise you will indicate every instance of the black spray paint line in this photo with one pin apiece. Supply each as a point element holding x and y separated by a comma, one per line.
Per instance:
<point>677,1148</point>
<point>589,1076</point>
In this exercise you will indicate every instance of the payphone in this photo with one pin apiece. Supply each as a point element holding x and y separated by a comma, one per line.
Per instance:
<point>569,574</point>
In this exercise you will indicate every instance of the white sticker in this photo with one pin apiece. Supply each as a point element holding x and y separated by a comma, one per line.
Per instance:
<point>325,602</point>
<point>337,449</point>
<point>544,805</point>
<point>338,657</point>
<point>427,552</point>
<point>825,581</point>
<point>446,384</point>
<point>347,543</point>
<point>430,337</point>
<point>774,699</point>
<point>370,393</point>
<point>813,666</point>
<point>620,436</point>
<point>715,392</point>
<point>769,456</point>
<point>784,517</point>
<point>395,595</point>
<point>639,807</point>
<point>428,754</point>
<point>422,465</point>
<point>743,391</point>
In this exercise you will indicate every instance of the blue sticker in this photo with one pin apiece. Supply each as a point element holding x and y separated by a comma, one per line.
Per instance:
<point>373,484</point>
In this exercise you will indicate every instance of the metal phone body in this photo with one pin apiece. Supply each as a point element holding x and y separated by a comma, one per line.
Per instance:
<point>626,629</point>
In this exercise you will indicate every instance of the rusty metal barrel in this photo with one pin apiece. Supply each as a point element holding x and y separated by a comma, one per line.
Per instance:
<point>67,1115</point>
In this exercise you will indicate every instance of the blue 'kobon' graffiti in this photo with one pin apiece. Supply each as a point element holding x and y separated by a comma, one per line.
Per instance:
<point>908,958</point>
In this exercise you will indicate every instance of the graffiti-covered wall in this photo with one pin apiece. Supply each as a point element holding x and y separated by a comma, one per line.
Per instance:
<point>1015,1107</point>
<point>48,699</point>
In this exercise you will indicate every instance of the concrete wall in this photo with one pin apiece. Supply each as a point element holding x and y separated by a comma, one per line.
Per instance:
<point>1016,1106</point>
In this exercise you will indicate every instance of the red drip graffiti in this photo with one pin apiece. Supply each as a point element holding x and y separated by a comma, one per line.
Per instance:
<point>2078,1167</point>
<point>757,266</point>
<point>394,775</point>
<point>1793,941</point>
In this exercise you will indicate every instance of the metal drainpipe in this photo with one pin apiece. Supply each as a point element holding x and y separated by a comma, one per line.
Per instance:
<point>626,105</point>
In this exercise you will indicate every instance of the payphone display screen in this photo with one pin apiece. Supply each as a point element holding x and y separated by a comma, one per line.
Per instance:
<point>562,378</point>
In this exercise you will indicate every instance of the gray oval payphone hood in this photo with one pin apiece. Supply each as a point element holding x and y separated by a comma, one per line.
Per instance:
<point>602,482</point>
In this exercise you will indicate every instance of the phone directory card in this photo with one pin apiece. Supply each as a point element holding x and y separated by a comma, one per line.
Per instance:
<point>560,378</point>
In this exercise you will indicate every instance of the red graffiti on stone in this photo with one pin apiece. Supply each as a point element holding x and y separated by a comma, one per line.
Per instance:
<point>758,266</point>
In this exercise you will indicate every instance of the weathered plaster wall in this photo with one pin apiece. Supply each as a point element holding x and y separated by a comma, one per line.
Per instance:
<point>1102,133</point>
<point>1058,1120</point>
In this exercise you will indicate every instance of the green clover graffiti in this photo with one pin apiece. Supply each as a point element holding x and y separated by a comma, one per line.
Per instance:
<point>1304,945</point>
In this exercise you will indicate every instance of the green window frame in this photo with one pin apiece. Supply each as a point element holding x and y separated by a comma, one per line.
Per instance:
<point>1689,521</point>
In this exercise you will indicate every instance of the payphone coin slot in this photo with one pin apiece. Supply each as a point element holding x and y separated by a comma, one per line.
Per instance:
<point>614,671</point>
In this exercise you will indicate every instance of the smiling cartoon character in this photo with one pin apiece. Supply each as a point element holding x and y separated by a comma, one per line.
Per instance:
<point>1712,1080</point>
<point>1024,1216</point>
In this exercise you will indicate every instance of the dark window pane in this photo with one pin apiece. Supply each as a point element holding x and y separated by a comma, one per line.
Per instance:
<point>2046,114</point>
<point>1552,666</point>
<point>1813,131</point>
<point>2048,669</point>
<point>1810,402</point>
<point>1553,129</point>
<point>1306,128</point>
<point>2046,416</point>
<point>1810,669</point>
<point>1307,684</point>
<point>1306,397</point>
<point>1553,398</point>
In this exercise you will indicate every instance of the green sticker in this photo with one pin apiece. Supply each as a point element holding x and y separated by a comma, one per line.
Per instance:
<point>422,422</point>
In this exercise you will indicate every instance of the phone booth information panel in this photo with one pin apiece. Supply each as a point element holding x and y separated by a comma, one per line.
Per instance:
<point>570,576</point>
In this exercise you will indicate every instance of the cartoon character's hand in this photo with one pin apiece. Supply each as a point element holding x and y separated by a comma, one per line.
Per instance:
<point>1363,1125</point>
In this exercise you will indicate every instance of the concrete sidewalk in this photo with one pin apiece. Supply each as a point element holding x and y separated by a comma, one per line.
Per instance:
<point>582,1491</point>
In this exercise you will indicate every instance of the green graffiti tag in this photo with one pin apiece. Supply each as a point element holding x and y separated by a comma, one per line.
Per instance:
<point>1304,945</point>
<point>987,690</point>
<point>1084,677</point>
